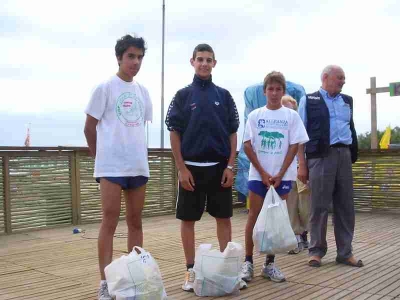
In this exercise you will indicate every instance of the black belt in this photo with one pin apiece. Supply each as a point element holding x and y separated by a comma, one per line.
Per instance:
<point>339,145</point>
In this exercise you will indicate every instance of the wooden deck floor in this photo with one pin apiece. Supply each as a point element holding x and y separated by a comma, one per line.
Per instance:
<point>56,264</point>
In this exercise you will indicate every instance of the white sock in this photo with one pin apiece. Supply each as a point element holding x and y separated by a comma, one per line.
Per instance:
<point>103,282</point>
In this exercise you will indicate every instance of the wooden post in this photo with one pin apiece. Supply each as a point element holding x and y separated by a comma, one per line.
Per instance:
<point>75,188</point>
<point>374,130</point>
<point>175,185</point>
<point>7,196</point>
<point>373,90</point>
<point>161,182</point>
<point>78,185</point>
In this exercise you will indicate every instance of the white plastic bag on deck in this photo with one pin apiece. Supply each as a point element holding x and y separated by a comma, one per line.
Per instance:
<point>135,276</point>
<point>217,273</point>
<point>273,233</point>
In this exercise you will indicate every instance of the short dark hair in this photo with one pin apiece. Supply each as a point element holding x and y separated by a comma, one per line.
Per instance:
<point>202,48</point>
<point>276,77</point>
<point>128,41</point>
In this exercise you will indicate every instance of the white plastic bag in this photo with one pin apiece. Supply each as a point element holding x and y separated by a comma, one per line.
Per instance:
<point>135,276</point>
<point>273,233</point>
<point>217,273</point>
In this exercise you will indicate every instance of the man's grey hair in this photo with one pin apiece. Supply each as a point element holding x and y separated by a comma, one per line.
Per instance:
<point>328,69</point>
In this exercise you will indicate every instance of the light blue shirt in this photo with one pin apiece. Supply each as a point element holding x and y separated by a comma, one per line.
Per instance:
<point>339,117</point>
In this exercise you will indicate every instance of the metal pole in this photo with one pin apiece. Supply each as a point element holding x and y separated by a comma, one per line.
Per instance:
<point>162,75</point>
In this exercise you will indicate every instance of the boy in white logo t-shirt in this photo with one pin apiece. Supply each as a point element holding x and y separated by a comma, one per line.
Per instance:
<point>271,140</point>
<point>115,133</point>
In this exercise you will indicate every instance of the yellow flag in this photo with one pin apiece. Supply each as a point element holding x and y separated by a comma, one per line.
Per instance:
<point>385,140</point>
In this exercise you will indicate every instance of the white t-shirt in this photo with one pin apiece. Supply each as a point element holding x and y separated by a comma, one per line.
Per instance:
<point>122,109</point>
<point>271,132</point>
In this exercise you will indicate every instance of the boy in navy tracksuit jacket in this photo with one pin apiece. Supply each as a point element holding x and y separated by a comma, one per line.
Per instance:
<point>203,121</point>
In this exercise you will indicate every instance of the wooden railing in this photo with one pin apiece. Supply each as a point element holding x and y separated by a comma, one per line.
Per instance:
<point>49,186</point>
<point>377,181</point>
<point>46,187</point>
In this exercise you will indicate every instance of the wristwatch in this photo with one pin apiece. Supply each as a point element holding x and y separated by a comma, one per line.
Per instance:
<point>229,167</point>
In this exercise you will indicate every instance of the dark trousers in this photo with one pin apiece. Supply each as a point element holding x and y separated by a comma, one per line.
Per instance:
<point>331,181</point>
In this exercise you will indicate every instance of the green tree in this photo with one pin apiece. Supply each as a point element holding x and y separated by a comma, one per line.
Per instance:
<point>364,139</point>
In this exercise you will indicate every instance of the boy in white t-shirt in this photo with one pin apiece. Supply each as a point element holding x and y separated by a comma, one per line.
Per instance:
<point>271,140</point>
<point>115,133</point>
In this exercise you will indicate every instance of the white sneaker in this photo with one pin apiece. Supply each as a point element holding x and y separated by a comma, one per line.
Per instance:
<point>247,272</point>
<point>273,273</point>
<point>189,280</point>
<point>103,292</point>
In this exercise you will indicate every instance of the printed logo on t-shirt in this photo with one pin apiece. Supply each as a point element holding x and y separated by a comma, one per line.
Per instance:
<point>271,140</point>
<point>271,123</point>
<point>130,110</point>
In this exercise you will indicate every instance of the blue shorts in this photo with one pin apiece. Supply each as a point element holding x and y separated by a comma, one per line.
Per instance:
<point>127,183</point>
<point>260,189</point>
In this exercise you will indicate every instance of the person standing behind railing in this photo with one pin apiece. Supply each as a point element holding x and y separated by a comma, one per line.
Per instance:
<point>115,133</point>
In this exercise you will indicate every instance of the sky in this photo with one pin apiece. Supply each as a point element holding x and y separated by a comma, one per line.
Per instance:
<point>53,54</point>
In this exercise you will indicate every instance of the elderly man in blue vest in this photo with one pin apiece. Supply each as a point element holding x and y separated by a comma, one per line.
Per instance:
<point>328,117</point>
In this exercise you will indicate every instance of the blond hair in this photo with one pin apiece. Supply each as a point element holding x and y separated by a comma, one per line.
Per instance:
<point>291,100</point>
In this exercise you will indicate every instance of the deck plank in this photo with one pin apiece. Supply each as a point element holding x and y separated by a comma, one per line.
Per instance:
<point>56,264</point>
